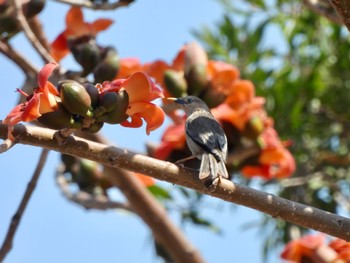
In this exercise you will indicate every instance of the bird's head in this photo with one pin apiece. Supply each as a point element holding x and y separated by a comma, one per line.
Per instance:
<point>191,104</point>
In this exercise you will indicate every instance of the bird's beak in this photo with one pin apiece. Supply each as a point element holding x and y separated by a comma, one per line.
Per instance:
<point>176,100</point>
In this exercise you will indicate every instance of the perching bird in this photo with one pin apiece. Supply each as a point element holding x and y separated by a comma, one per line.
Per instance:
<point>205,138</point>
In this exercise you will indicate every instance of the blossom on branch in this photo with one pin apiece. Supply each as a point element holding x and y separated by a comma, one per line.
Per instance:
<point>76,28</point>
<point>42,101</point>
<point>313,248</point>
<point>141,91</point>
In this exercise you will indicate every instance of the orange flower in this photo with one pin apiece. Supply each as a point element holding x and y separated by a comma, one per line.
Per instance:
<point>303,247</point>
<point>222,75</point>
<point>41,101</point>
<point>75,28</point>
<point>128,66</point>
<point>275,161</point>
<point>342,248</point>
<point>141,90</point>
<point>173,138</point>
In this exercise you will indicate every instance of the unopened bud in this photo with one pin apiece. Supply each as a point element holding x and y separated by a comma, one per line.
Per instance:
<point>108,68</point>
<point>74,97</point>
<point>175,83</point>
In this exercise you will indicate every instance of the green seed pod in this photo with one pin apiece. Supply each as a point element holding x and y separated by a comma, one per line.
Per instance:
<point>118,114</point>
<point>108,102</point>
<point>253,128</point>
<point>87,54</point>
<point>196,79</point>
<point>175,83</point>
<point>58,119</point>
<point>93,93</point>
<point>95,127</point>
<point>212,96</point>
<point>74,97</point>
<point>108,68</point>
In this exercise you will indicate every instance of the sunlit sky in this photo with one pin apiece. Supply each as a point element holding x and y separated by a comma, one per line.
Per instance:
<point>55,230</point>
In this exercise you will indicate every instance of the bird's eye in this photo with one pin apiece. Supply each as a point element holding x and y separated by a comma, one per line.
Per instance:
<point>189,100</point>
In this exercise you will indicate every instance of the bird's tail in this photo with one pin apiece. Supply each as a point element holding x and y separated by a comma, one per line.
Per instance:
<point>210,168</point>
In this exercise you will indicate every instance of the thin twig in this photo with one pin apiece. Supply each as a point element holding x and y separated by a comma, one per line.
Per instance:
<point>26,66</point>
<point>97,6</point>
<point>23,23</point>
<point>277,207</point>
<point>87,200</point>
<point>16,219</point>
<point>7,145</point>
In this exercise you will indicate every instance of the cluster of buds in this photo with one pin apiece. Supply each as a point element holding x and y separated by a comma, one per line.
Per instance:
<point>81,106</point>
<point>233,102</point>
<point>79,38</point>
<point>87,106</point>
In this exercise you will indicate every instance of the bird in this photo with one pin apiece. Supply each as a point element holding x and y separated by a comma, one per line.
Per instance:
<point>205,138</point>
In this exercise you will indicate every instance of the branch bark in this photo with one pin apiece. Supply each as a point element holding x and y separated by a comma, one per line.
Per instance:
<point>342,7</point>
<point>296,213</point>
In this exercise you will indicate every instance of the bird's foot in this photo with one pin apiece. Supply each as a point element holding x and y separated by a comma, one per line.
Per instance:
<point>212,183</point>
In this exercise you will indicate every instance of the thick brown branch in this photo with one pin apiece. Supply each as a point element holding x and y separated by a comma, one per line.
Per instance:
<point>16,219</point>
<point>343,9</point>
<point>150,211</point>
<point>97,6</point>
<point>277,207</point>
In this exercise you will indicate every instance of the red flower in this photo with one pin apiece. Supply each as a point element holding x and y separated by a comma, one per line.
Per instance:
<point>173,138</point>
<point>303,247</point>
<point>141,90</point>
<point>75,28</point>
<point>42,101</point>
<point>275,161</point>
<point>342,248</point>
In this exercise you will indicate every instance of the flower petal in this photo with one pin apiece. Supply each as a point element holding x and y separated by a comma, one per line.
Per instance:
<point>45,73</point>
<point>140,87</point>
<point>146,180</point>
<point>59,47</point>
<point>101,25</point>
<point>153,115</point>
<point>75,21</point>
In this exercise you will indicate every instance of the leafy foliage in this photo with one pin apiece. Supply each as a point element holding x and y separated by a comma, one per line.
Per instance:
<point>298,61</point>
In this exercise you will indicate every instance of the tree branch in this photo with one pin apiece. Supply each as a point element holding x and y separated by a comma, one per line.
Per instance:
<point>23,23</point>
<point>342,7</point>
<point>97,6</point>
<point>87,200</point>
<point>151,211</point>
<point>16,219</point>
<point>296,213</point>
<point>26,66</point>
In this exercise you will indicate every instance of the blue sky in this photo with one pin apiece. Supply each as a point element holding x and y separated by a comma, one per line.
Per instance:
<point>55,230</point>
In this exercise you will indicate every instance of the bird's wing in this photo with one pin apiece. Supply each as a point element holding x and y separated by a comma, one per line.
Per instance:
<point>207,133</point>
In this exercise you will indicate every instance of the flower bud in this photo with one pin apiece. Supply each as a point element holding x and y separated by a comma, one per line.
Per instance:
<point>196,61</point>
<point>108,68</point>
<point>212,97</point>
<point>95,127</point>
<point>74,97</point>
<point>87,54</point>
<point>58,119</point>
<point>253,128</point>
<point>118,114</point>
<point>175,83</point>
<point>93,93</point>
<point>197,79</point>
